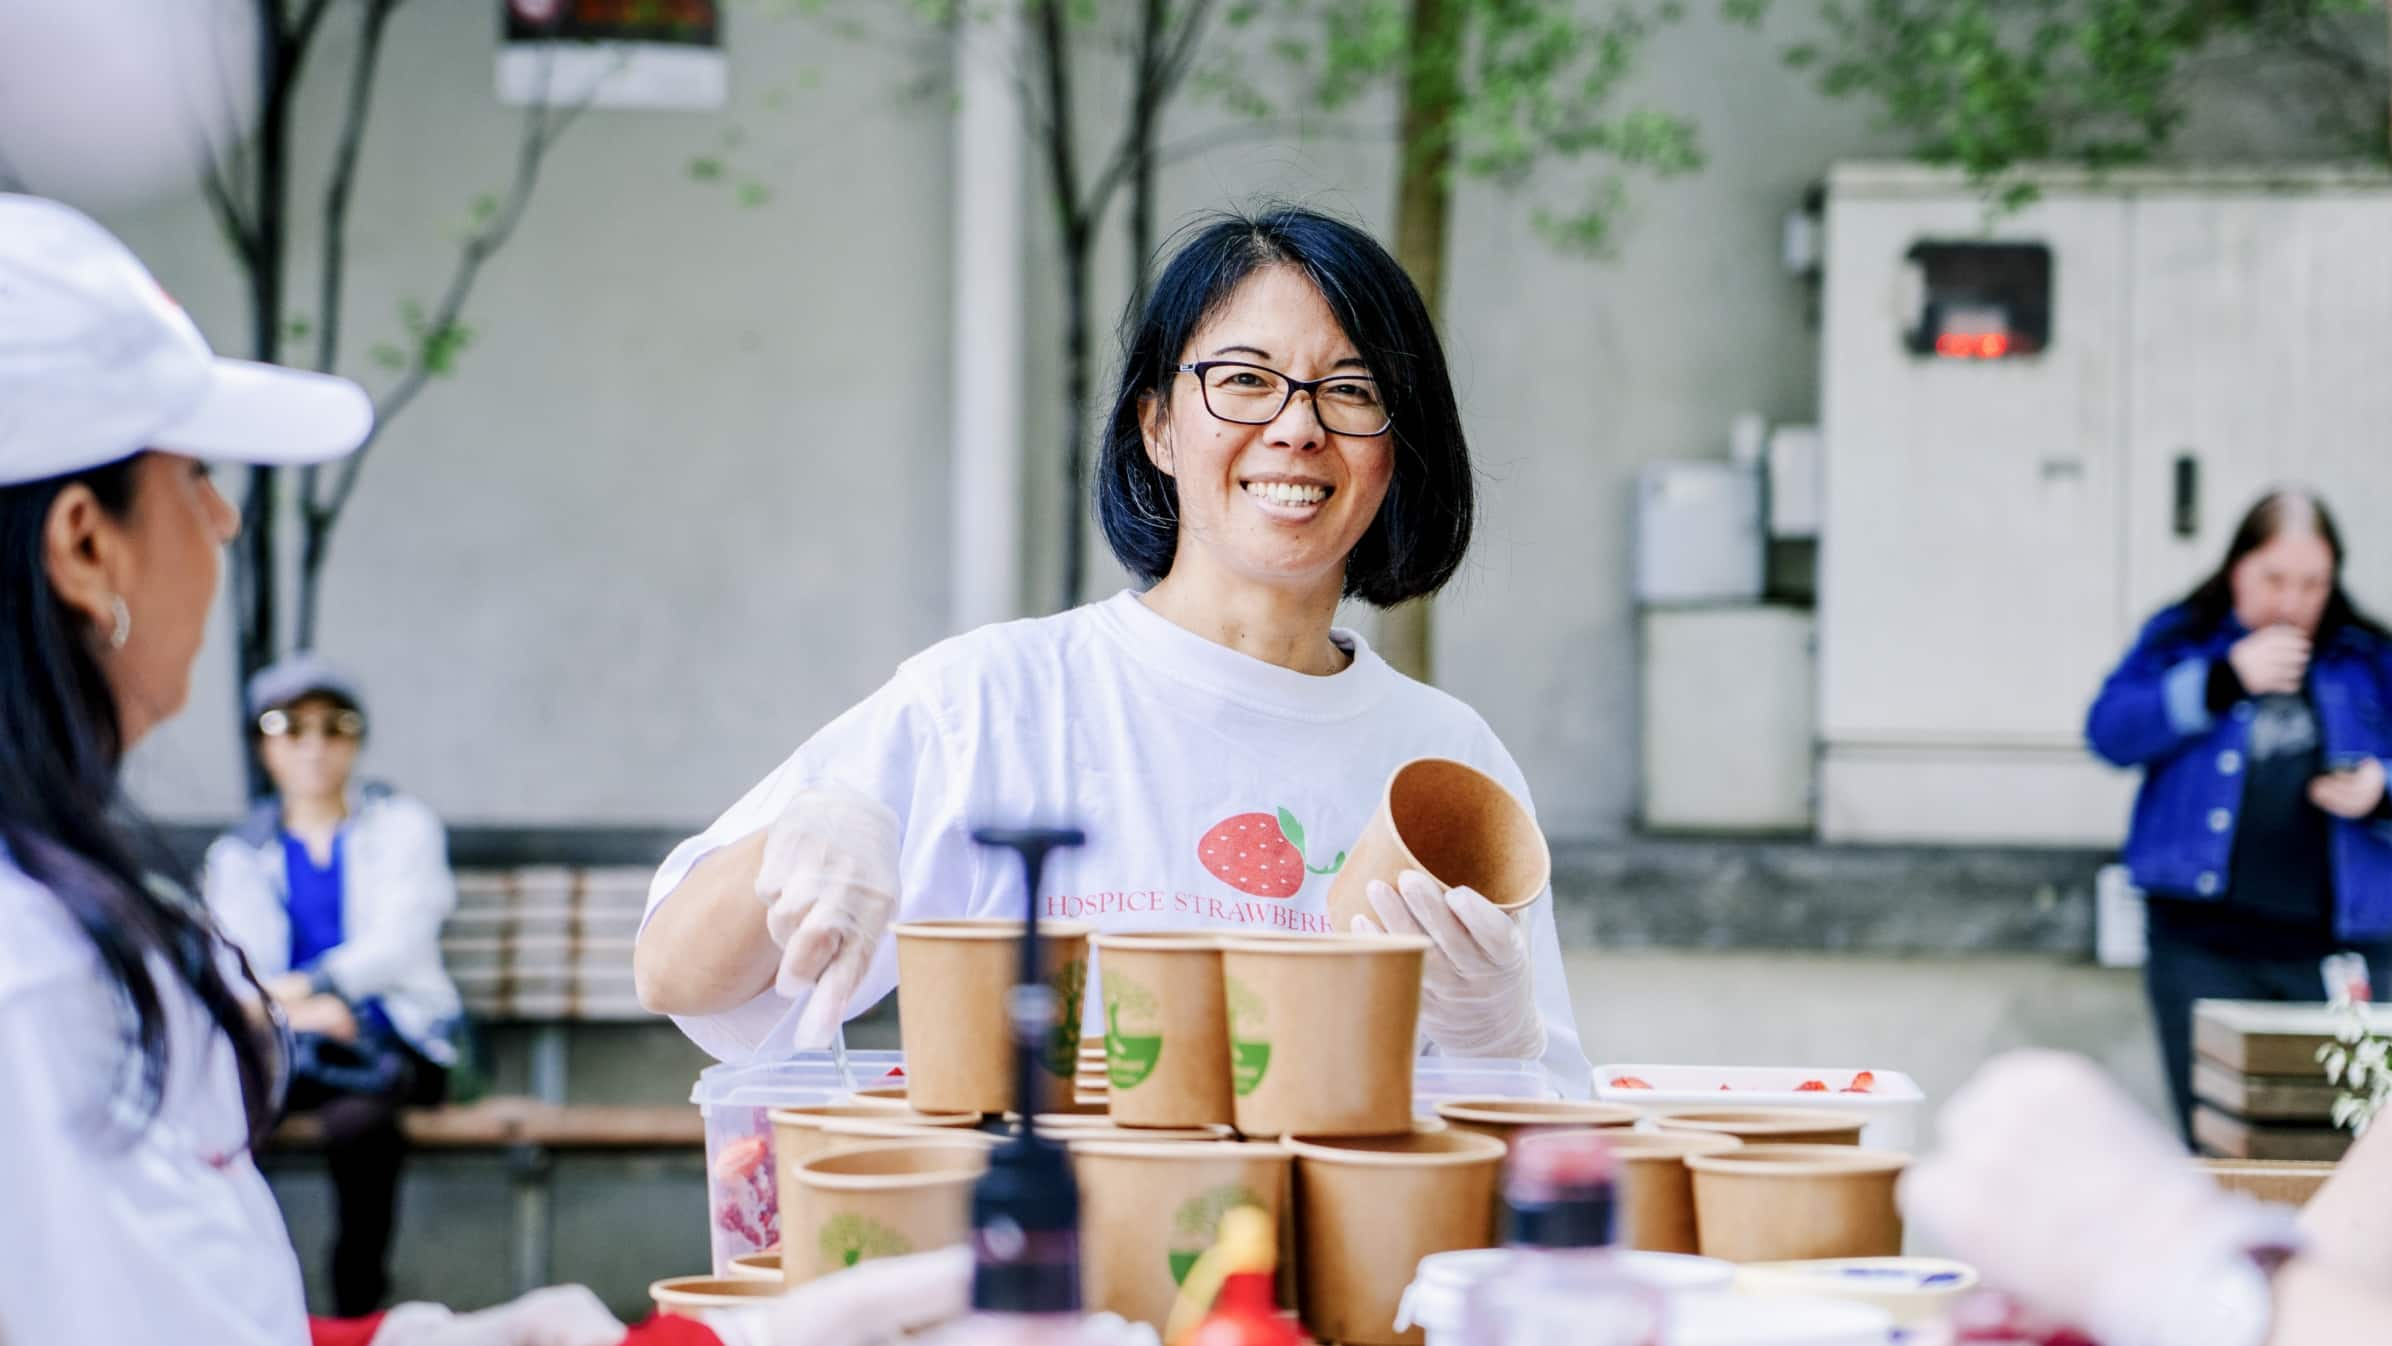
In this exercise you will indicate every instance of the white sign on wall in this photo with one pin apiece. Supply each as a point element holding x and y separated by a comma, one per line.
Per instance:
<point>613,53</point>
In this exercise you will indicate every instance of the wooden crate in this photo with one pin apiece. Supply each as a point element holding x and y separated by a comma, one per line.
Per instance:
<point>2287,1182</point>
<point>2263,1038</point>
<point>2306,1099</point>
<point>2228,1137</point>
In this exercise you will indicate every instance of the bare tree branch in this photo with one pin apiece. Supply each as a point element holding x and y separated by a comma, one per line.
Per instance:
<point>303,32</point>
<point>343,185</point>
<point>227,210</point>
<point>541,131</point>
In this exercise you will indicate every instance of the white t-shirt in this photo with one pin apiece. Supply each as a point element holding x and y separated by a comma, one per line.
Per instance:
<point>173,1236</point>
<point>1155,740</point>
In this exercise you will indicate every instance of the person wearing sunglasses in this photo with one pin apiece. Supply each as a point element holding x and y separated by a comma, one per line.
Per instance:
<point>1284,438</point>
<point>335,891</point>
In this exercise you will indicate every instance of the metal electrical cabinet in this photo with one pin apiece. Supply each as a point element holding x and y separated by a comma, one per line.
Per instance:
<point>1728,707</point>
<point>2016,478</point>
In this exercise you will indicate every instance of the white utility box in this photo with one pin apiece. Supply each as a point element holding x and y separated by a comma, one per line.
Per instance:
<point>1728,725</point>
<point>2039,431</point>
<point>1698,532</point>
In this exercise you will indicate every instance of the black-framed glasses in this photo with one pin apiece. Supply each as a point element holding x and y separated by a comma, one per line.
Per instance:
<point>341,724</point>
<point>1251,394</point>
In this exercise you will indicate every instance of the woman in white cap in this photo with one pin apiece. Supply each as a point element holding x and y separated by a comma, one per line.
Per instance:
<point>139,1060</point>
<point>1284,436</point>
<point>335,891</point>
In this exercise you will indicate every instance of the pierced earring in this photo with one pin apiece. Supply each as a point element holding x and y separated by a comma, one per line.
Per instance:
<point>122,631</point>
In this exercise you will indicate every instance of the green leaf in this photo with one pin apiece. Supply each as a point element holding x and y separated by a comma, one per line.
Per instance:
<point>705,168</point>
<point>753,194</point>
<point>1292,830</point>
<point>297,327</point>
<point>389,356</point>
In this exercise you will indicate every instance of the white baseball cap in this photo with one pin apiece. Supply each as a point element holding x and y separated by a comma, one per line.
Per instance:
<point>98,364</point>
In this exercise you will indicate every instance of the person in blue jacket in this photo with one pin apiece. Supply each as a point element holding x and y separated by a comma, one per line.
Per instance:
<point>2260,709</point>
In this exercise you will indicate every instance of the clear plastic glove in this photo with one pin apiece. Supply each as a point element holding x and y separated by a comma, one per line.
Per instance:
<point>829,884</point>
<point>560,1315</point>
<point>1477,994</point>
<point>2067,1195</point>
<point>871,1302</point>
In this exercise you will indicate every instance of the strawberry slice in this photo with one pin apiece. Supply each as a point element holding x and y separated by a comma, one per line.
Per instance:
<point>1628,1082</point>
<point>1811,1087</point>
<point>1864,1082</point>
<point>742,1158</point>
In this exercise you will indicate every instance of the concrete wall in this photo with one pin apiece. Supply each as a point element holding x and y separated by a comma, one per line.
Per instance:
<point>686,498</point>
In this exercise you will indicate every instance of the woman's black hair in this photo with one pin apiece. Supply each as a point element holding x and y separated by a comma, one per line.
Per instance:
<point>64,822</point>
<point>2208,606</point>
<point>1423,528</point>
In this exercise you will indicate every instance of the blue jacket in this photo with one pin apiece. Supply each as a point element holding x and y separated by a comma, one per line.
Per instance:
<point>2153,712</point>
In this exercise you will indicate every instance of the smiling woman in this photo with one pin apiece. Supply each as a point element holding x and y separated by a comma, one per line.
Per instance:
<point>1284,436</point>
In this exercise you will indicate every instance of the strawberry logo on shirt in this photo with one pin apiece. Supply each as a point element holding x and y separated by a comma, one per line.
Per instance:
<point>1260,855</point>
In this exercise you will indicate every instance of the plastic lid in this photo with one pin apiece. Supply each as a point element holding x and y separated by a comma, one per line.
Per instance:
<point>808,1077</point>
<point>1561,1191</point>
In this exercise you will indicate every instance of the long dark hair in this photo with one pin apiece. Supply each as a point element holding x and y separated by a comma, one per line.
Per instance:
<point>2208,606</point>
<point>1423,528</point>
<point>64,823</point>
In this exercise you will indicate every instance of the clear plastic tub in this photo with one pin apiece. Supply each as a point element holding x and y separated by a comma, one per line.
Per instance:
<point>1438,1078</point>
<point>1892,1105</point>
<point>743,1203</point>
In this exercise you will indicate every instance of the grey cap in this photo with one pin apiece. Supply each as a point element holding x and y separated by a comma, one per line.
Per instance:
<point>303,674</point>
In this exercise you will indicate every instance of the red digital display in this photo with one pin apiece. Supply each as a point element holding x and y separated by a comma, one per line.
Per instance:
<point>1972,345</point>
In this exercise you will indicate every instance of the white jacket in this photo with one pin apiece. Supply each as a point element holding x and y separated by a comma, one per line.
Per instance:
<point>396,889</point>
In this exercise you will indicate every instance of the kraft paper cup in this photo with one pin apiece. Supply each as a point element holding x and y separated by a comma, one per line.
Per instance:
<point>1166,1030</point>
<point>687,1296</point>
<point>1506,1119</point>
<point>1322,1033</point>
<point>1656,1189</point>
<point>1455,824</point>
<point>1147,1211</point>
<point>798,1134</point>
<point>880,1200</point>
<point>763,1266</point>
<point>1371,1208</point>
<point>953,979</point>
<point>1106,1131</point>
<point>1768,1126</point>
<point>1783,1203</point>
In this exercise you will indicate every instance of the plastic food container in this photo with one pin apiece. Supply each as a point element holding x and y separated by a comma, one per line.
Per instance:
<point>1438,1078</point>
<point>1893,1103</point>
<point>742,1195</point>
<point>1437,1298</point>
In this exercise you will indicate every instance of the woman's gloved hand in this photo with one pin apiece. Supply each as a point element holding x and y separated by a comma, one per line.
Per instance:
<point>2067,1195</point>
<point>871,1302</point>
<point>560,1315</point>
<point>829,883</point>
<point>1477,993</point>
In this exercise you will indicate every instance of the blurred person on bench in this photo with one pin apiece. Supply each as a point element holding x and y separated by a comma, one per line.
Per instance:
<point>335,891</point>
<point>2260,710</point>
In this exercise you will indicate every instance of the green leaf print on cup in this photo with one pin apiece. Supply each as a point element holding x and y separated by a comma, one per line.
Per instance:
<point>1249,1050</point>
<point>1070,985</point>
<point>845,1240</point>
<point>1197,1223</point>
<point>1130,1057</point>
